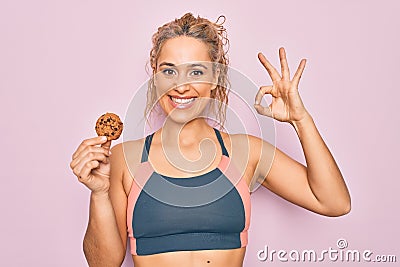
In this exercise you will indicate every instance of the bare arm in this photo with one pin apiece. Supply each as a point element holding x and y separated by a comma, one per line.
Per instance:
<point>104,243</point>
<point>324,176</point>
<point>105,239</point>
<point>319,186</point>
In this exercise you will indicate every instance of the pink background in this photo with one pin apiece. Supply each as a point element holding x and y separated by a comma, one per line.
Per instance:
<point>62,63</point>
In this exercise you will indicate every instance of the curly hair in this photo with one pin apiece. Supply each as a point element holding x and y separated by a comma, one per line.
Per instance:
<point>214,35</point>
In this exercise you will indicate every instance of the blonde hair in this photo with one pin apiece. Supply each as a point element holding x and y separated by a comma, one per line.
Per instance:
<point>214,36</point>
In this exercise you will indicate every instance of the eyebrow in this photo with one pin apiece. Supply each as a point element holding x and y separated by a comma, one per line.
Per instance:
<point>191,65</point>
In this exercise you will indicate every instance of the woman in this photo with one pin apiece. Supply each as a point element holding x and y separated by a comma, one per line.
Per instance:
<point>138,187</point>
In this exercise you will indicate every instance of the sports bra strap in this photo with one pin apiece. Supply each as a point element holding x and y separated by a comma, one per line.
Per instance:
<point>147,143</point>
<point>146,147</point>
<point>221,142</point>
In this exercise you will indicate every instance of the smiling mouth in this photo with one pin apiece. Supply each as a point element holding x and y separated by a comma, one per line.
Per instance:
<point>182,101</point>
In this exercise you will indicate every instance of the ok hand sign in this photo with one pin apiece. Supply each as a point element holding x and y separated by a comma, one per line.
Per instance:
<point>286,103</point>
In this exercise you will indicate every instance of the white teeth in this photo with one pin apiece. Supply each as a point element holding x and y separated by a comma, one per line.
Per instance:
<point>182,100</point>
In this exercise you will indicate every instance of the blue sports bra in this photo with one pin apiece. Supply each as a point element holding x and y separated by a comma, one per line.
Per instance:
<point>208,211</point>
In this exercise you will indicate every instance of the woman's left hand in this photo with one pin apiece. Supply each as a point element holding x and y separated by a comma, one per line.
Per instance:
<point>286,103</point>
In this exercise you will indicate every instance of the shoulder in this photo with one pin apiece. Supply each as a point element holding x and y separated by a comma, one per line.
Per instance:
<point>126,150</point>
<point>253,144</point>
<point>252,151</point>
<point>125,159</point>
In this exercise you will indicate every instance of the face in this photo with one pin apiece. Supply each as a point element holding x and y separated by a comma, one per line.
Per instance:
<point>184,78</point>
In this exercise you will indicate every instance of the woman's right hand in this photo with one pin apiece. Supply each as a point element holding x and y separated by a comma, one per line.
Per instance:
<point>90,163</point>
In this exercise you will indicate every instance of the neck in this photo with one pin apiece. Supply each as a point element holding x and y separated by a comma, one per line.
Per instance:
<point>190,132</point>
<point>175,136</point>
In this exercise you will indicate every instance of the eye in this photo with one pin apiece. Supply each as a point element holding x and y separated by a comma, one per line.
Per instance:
<point>197,73</point>
<point>168,72</point>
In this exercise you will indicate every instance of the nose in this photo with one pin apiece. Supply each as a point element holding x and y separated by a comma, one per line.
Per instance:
<point>182,88</point>
<point>182,83</point>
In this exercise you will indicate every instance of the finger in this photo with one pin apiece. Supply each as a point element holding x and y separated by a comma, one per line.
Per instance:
<point>299,71</point>
<point>92,156</point>
<point>84,153</point>
<point>273,73</point>
<point>107,145</point>
<point>89,142</point>
<point>263,90</point>
<point>263,110</point>
<point>87,169</point>
<point>284,64</point>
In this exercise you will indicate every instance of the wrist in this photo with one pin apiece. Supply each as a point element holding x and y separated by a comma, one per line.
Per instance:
<point>99,195</point>
<point>304,122</point>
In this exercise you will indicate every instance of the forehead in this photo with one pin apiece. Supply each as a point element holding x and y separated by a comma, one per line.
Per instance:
<point>183,49</point>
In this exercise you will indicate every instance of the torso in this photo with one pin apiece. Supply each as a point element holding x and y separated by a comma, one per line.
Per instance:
<point>200,258</point>
<point>224,257</point>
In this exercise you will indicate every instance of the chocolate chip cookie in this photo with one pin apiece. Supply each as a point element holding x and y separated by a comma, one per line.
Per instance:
<point>109,125</point>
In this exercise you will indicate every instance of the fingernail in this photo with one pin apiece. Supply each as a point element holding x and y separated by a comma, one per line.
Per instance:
<point>103,138</point>
<point>109,152</point>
